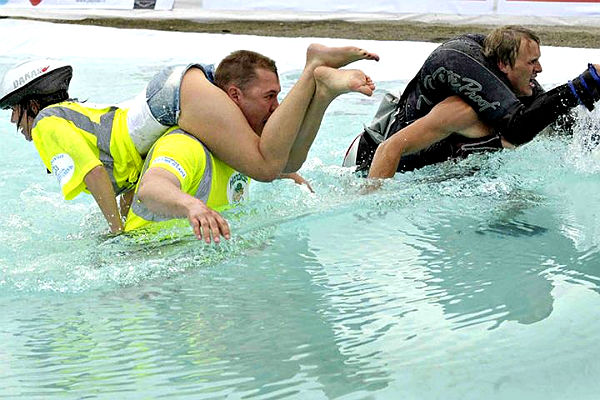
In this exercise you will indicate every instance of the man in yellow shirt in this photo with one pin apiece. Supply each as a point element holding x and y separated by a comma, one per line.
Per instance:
<point>183,178</point>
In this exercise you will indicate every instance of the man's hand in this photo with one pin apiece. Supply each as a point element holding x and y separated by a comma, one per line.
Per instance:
<point>207,223</point>
<point>160,192</point>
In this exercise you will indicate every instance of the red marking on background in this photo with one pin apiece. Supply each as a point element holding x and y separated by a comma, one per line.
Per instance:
<point>562,1</point>
<point>35,2</point>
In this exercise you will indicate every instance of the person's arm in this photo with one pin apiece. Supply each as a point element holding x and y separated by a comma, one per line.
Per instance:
<point>450,116</point>
<point>460,70</point>
<point>98,183</point>
<point>297,178</point>
<point>522,124</point>
<point>160,192</point>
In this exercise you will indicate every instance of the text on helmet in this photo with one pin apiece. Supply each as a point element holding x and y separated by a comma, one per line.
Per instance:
<point>23,79</point>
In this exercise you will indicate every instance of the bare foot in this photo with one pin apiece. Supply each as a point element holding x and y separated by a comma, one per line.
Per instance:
<point>333,82</point>
<point>336,57</point>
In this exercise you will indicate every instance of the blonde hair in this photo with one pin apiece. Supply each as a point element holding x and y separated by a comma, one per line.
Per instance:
<point>502,44</point>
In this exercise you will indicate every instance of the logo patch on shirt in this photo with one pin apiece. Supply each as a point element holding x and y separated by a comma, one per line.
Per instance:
<point>63,168</point>
<point>237,188</point>
<point>171,162</point>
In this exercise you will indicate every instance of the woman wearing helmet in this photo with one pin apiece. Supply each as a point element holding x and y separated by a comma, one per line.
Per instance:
<point>92,148</point>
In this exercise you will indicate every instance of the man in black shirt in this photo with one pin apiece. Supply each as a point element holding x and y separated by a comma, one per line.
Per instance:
<point>473,93</point>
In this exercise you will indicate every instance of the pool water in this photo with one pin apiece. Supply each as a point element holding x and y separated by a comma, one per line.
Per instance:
<point>476,279</point>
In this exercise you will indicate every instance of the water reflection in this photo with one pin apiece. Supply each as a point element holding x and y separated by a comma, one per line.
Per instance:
<point>492,270</point>
<point>256,326</point>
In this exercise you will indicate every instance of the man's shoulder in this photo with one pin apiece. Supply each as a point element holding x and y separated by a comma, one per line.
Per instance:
<point>469,38</point>
<point>470,44</point>
<point>179,140</point>
<point>181,147</point>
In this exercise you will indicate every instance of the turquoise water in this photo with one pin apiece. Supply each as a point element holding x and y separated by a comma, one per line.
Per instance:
<point>469,280</point>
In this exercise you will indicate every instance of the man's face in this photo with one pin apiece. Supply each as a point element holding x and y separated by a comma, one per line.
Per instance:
<point>259,99</point>
<point>527,66</point>
<point>23,122</point>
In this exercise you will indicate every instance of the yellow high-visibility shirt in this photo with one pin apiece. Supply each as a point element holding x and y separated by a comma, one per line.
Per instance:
<point>73,138</point>
<point>200,174</point>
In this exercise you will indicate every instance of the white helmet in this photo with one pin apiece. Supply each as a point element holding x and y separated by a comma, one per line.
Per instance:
<point>43,76</point>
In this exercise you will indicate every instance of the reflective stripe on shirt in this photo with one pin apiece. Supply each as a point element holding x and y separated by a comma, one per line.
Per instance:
<point>102,131</point>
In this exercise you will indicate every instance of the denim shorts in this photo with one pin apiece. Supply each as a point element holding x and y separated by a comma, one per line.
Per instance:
<point>157,108</point>
<point>163,91</point>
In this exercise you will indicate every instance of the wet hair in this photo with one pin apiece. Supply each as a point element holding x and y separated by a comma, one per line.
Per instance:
<point>239,68</point>
<point>503,43</point>
<point>41,101</point>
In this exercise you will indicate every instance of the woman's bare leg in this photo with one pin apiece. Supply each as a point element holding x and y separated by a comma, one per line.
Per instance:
<point>209,114</point>
<point>330,83</point>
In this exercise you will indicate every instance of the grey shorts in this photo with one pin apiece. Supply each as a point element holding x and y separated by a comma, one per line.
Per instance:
<point>163,92</point>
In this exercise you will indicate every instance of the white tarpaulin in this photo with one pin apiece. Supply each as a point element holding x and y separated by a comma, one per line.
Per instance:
<point>472,7</point>
<point>459,7</point>
<point>492,12</point>
<point>88,4</point>
<point>549,7</point>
